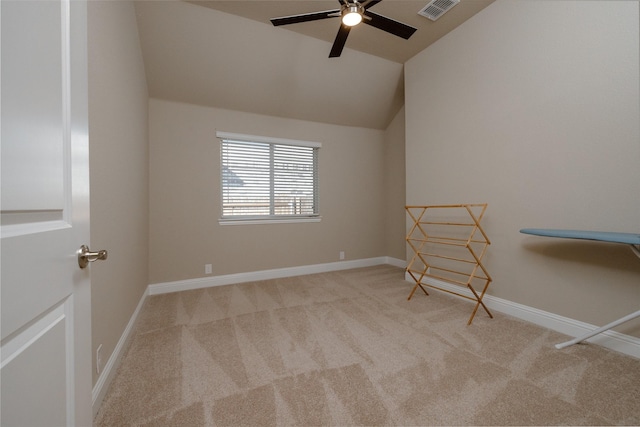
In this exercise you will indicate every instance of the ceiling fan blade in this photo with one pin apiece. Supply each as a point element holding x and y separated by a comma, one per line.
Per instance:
<point>341,39</point>
<point>305,17</point>
<point>389,25</point>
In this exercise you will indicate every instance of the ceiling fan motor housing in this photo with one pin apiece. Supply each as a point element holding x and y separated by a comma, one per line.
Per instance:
<point>352,14</point>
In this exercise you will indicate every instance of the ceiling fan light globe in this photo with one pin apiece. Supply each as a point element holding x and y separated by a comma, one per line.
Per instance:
<point>351,16</point>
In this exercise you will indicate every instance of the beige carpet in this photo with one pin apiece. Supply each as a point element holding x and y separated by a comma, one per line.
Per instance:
<point>347,348</point>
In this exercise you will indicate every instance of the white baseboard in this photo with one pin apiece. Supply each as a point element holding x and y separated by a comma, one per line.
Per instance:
<point>110,368</point>
<point>228,279</point>
<point>396,262</point>
<point>610,339</point>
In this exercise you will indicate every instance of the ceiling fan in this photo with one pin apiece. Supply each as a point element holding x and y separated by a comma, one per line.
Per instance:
<point>352,13</point>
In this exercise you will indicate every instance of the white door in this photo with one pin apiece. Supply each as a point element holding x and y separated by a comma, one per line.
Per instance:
<point>45,296</point>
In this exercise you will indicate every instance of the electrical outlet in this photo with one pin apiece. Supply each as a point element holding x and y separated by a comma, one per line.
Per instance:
<point>99,359</point>
<point>208,269</point>
<point>341,255</point>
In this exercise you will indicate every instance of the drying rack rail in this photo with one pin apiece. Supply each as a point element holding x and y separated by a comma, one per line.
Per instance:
<point>448,245</point>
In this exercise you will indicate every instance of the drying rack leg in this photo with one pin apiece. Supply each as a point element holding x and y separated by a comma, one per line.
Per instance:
<point>416,287</point>
<point>479,302</point>
<point>599,330</point>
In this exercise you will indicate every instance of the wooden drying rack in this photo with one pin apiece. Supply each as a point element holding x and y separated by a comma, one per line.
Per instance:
<point>450,250</point>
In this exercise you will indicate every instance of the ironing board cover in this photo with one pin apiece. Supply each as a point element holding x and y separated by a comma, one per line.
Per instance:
<point>603,236</point>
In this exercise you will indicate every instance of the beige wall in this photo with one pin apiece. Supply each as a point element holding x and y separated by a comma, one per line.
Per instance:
<point>185,196</point>
<point>394,187</point>
<point>119,170</point>
<point>533,107</point>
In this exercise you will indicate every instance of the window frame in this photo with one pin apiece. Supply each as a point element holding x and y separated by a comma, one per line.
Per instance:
<point>275,218</point>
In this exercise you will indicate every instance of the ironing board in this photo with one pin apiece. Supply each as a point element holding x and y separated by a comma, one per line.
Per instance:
<point>631,239</point>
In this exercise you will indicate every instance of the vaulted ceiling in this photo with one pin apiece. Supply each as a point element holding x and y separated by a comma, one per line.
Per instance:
<point>226,54</point>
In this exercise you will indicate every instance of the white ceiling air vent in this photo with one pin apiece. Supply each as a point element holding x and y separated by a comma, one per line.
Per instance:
<point>436,8</point>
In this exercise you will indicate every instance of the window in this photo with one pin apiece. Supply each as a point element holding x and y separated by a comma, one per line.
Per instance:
<point>269,179</point>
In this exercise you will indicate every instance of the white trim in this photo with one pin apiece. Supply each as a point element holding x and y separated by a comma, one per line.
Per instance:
<point>228,279</point>
<point>267,139</point>
<point>110,368</point>
<point>610,339</point>
<point>396,262</point>
<point>270,220</point>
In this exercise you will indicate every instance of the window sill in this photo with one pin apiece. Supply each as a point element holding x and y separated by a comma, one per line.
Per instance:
<point>254,221</point>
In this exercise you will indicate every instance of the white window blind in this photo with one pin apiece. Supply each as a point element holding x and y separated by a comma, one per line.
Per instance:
<point>268,178</point>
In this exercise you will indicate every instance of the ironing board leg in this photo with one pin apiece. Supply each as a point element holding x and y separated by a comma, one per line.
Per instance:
<point>599,330</point>
<point>636,250</point>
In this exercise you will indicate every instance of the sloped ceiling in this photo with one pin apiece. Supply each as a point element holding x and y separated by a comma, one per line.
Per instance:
<point>363,38</point>
<point>208,56</point>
